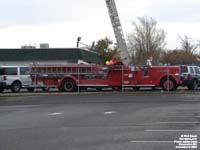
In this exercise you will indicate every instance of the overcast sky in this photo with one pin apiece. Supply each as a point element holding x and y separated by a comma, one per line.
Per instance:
<point>60,22</point>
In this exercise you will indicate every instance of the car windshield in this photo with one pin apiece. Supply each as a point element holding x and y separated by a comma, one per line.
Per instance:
<point>184,69</point>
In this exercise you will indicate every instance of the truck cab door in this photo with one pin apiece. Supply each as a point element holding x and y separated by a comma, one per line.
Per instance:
<point>145,72</point>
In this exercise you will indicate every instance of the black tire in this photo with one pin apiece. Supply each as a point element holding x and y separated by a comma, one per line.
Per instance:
<point>193,86</point>
<point>68,85</point>
<point>16,87</point>
<point>168,84</point>
<point>31,89</point>
<point>1,90</point>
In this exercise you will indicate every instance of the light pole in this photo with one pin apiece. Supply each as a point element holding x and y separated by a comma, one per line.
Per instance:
<point>78,41</point>
<point>86,45</point>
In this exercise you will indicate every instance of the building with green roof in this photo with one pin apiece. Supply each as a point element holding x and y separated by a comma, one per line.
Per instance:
<point>25,56</point>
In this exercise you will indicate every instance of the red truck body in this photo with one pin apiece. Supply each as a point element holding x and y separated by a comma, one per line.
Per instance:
<point>69,77</point>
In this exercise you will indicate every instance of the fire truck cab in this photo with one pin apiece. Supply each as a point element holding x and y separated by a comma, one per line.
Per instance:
<point>166,77</point>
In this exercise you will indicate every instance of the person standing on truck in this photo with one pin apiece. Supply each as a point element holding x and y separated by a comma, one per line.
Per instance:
<point>149,61</point>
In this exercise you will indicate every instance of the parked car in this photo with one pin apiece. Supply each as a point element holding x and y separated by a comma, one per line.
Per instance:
<point>15,78</point>
<point>190,75</point>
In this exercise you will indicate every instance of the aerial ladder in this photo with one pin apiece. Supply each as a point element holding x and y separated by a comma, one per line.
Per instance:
<point>114,17</point>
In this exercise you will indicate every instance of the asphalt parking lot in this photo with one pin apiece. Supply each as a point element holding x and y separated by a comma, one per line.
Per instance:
<point>104,120</point>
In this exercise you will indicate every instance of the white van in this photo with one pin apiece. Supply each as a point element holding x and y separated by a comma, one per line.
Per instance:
<point>15,78</point>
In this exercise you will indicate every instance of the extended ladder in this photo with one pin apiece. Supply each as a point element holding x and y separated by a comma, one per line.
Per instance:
<point>112,10</point>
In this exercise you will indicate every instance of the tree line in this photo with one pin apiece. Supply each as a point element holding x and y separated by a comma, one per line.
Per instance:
<point>147,40</point>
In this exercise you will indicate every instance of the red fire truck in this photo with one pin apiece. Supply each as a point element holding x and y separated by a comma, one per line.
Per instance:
<point>70,78</point>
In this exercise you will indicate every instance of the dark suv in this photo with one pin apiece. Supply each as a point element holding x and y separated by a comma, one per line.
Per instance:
<point>190,76</point>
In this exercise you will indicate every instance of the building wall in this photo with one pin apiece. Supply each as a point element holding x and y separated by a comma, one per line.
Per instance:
<point>47,56</point>
<point>27,63</point>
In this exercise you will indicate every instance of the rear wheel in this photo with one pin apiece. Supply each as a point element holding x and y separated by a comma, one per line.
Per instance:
<point>16,87</point>
<point>68,85</point>
<point>168,84</point>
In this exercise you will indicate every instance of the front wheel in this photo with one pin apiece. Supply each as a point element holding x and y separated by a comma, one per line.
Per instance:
<point>68,85</point>
<point>16,87</point>
<point>193,86</point>
<point>168,84</point>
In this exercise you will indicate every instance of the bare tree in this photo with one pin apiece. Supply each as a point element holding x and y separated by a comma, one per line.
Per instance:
<point>179,57</point>
<point>185,56</point>
<point>146,41</point>
<point>187,44</point>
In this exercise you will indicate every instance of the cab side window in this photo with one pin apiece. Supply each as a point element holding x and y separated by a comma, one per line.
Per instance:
<point>10,71</point>
<point>24,71</point>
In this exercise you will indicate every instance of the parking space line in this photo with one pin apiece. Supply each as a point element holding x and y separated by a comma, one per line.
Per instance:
<point>169,130</point>
<point>55,113</point>
<point>171,122</point>
<point>109,112</point>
